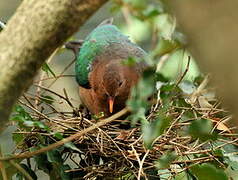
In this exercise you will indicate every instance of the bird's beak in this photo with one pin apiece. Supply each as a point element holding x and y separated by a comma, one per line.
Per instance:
<point>110,102</point>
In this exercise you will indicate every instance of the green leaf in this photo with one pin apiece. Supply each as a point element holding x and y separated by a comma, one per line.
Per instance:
<point>234,165</point>
<point>183,176</point>
<point>138,4</point>
<point>139,115</point>
<point>54,156</point>
<point>17,138</point>
<point>25,119</point>
<point>41,125</point>
<point>19,109</point>
<point>18,118</point>
<point>63,174</point>
<point>47,69</point>
<point>144,88</point>
<point>128,176</point>
<point>29,123</point>
<point>20,114</point>
<point>167,87</point>
<point>154,129</point>
<point>201,129</point>
<point>218,153</point>
<point>152,11</point>
<point>98,116</point>
<point>19,176</point>
<point>187,87</point>
<point>164,174</point>
<point>160,77</point>
<point>231,158</point>
<point>138,102</point>
<point>198,80</point>
<point>43,163</point>
<point>29,171</point>
<point>231,173</point>
<point>165,160</point>
<point>70,145</point>
<point>164,46</point>
<point>137,105</point>
<point>208,172</point>
<point>146,85</point>
<point>58,135</point>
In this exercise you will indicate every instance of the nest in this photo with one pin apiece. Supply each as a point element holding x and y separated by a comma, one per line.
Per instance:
<point>118,150</point>
<point>112,148</point>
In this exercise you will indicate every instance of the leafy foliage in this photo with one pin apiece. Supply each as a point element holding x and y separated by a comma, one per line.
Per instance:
<point>166,160</point>
<point>201,128</point>
<point>25,120</point>
<point>176,130</point>
<point>207,171</point>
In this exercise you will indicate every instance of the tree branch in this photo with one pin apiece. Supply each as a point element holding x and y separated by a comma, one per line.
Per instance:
<point>211,29</point>
<point>31,35</point>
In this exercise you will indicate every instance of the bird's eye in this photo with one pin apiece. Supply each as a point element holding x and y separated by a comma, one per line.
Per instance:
<point>120,83</point>
<point>105,95</point>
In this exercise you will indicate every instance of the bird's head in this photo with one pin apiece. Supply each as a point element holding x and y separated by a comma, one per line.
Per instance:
<point>115,84</point>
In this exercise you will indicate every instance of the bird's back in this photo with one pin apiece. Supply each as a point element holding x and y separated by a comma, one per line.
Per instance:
<point>105,40</point>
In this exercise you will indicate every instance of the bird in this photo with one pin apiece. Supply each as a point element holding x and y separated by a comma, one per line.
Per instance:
<point>104,79</point>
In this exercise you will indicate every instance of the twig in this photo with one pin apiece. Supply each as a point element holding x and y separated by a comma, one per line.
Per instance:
<point>195,94</point>
<point>184,73</point>
<point>66,97</point>
<point>32,132</point>
<point>160,64</point>
<point>154,37</point>
<point>67,100</point>
<point>59,76</point>
<point>65,69</point>
<point>174,122</point>
<point>29,102</point>
<point>127,16</point>
<point>140,162</point>
<point>114,144</point>
<point>22,170</point>
<point>3,169</point>
<point>43,74</point>
<point>192,160</point>
<point>43,115</point>
<point>68,139</point>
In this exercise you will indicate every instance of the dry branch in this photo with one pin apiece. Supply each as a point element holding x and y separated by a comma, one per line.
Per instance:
<point>31,36</point>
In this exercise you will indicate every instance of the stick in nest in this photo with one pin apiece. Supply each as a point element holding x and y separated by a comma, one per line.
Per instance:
<point>68,139</point>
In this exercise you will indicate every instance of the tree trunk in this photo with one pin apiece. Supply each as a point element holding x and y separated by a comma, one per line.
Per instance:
<point>212,30</point>
<point>37,28</point>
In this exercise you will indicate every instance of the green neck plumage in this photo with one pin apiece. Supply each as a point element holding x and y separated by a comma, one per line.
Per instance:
<point>95,44</point>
